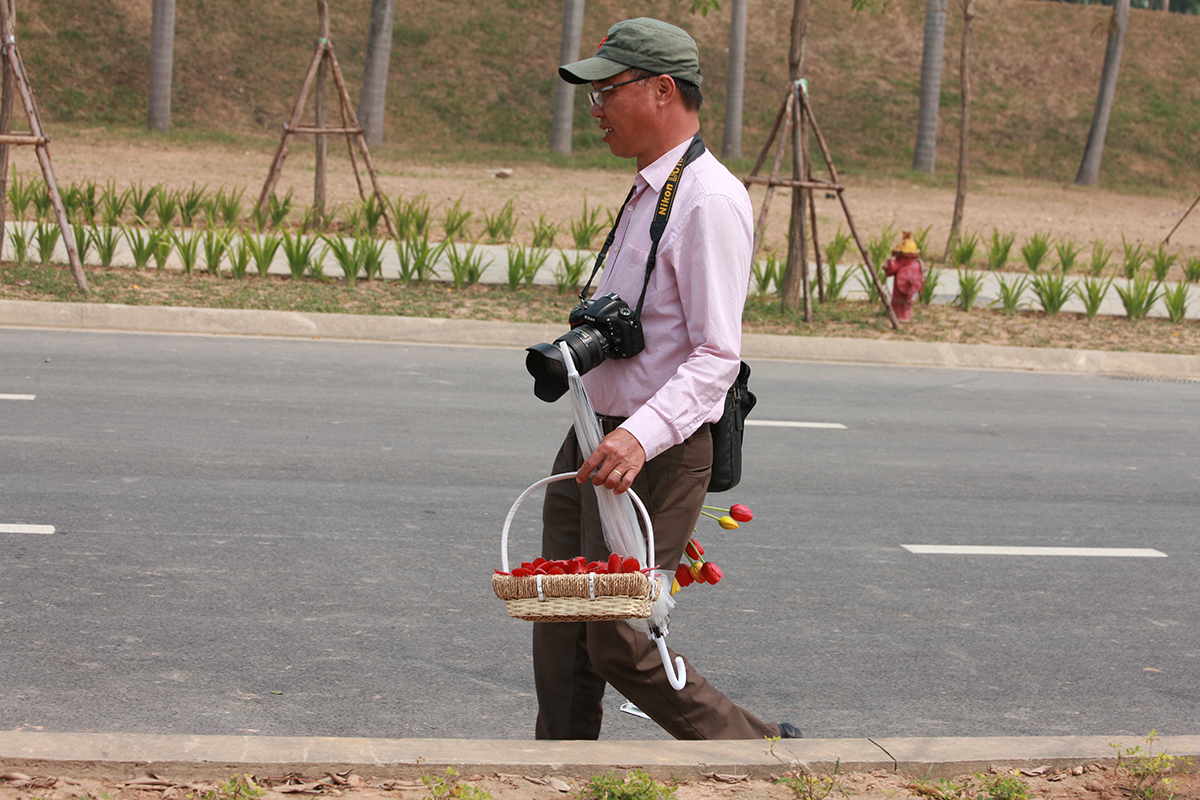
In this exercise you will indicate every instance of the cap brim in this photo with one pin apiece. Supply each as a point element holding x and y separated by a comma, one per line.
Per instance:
<point>590,69</point>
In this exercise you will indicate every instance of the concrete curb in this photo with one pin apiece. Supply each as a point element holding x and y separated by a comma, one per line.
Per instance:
<point>186,758</point>
<point>358,327</point>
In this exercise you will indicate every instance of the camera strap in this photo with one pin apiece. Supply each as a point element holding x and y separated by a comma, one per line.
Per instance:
<point>662,211</point>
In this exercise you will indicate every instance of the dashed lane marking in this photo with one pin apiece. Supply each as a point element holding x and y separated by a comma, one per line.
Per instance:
<point>10,528</point>
<point>18,396</point>
<point>987,550</point>
<point>770,423</point>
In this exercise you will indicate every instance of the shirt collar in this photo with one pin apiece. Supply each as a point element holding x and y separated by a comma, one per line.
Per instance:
<point>655,176</point>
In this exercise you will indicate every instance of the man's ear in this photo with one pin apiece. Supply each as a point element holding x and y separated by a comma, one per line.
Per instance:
<point>668,90</point>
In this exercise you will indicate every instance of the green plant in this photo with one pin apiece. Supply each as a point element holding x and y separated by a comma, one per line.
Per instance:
<point>298,250</point>
<point>315,218</point>
<point>932,278</point>
<point>141,246</point>
<point>999,249</point>
<point>238,787</point>
<point>1133,258</point>
<point>1147,774</point>
<point>43,204</point>
<point>466,266</point>
<point>455,223</point>
<point>141,200</point>
<point>637,785</point>
<point>372,211</point>
<point>263,248</point>
<point>523,264</point>
<point>863,275</point>
<point>1100,258</point>
<point>166,205</point>
<point>87,204</point>
<point>963,252</point>
<point>1068,254</point>
<point>765,272</point>
<point>412,217</point>
<point>1052,292</point>
<point>835,251</point>
<point>544,233</point>
<point>164,244</point>
<point>20,195</point>
<point>969,286</point>
<point>83,242</point>
<point>1191,269</point>
<point>501,225</point>
<point>348,254</point>
<point>46,234</point>
<point>19,239</point>
<point>1176,300</point>
<point>216,243</point>
<point>230,205</point>
<point>191,203</point>
<point>419,258</point>
<point>1034,251</point>
<point>451,788</point>
<point>880,246</point>
<point>239,256</point>
<point>569,271</point>
<point>105,239</point>
<point>921,237</point>
<point>1001,787</point>
<point>1092,291</point>
<point>372,257</point>
<point>1010,294</point>
<point>836,285</point>
<point>187,245</point>
<point>113,204</point>
<point>586,227</point>
<point>277,208</point>
<point>1161,262</point>
<point>1139,296</point>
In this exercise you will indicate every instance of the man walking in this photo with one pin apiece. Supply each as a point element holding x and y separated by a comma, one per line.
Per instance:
<point>655,407</point>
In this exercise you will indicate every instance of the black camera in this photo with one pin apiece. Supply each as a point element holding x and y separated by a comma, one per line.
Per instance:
<point>603,327</point>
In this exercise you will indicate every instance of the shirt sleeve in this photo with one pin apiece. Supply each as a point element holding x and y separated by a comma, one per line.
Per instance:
<point>708,251</point>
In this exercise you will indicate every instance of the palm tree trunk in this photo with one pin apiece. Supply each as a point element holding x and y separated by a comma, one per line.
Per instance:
<point>731,144</point>
<point>562,126</point>
<point>372,103</point>
<point>162,55</point>
<point>925,153</point>
<point>1089,168</point>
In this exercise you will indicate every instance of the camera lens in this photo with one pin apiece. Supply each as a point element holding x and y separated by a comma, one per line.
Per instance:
<point>545,361</point>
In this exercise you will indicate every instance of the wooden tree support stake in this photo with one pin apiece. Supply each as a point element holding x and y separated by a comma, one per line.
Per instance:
<point>794,109</point>
<point>14,73</point>
<point>324,61</point>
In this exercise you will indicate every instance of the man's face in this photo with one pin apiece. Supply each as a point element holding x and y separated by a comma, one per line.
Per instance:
<point>624,114</point>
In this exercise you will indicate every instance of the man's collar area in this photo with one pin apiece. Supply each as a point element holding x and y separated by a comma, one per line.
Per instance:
<point>655,175</point>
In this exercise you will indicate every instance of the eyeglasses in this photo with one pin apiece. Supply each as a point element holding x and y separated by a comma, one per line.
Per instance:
<point>596,97</point>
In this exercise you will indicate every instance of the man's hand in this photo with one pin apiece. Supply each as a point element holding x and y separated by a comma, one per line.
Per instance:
<point>616,462</point>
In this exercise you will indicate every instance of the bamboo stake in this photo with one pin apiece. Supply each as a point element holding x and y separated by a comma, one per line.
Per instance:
<point>7,26</point>
<point>285,143</point>
<point>786,119</point>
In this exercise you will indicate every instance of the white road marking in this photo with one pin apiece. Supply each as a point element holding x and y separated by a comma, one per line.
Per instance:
<point>18,396</point>
<point>770,423</point>
<point>985,550</point>
<point>5,528</point>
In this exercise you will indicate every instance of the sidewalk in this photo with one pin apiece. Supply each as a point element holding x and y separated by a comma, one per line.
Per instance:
<point>116,755</point>
<point>226,322</point>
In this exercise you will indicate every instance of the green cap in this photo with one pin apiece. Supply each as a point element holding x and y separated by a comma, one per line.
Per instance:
<point>641,43</point>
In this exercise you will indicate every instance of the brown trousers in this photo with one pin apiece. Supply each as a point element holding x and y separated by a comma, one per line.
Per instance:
<point>572,661</point>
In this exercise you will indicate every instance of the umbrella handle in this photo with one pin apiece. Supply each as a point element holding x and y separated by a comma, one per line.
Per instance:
<point>676,677</point>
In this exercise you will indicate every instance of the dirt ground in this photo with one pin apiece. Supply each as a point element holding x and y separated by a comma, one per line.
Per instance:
<point>1083,782</point>
<point>558,195</point>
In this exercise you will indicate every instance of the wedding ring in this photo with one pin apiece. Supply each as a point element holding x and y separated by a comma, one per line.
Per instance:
<point>618,473</point>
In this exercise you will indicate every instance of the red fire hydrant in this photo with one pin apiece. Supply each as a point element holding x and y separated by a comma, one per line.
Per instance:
<point>905,267</point>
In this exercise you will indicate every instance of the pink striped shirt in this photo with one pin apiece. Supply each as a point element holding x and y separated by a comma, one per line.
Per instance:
<point>692,317</point>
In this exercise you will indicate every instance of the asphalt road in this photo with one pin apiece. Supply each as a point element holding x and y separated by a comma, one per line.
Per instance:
<point>296,538</point>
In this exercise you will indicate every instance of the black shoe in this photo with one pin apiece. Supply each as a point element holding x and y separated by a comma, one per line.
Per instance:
<point>789,731</point>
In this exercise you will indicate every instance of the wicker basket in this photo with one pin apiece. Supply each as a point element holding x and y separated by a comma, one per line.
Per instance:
<point>591,597</point>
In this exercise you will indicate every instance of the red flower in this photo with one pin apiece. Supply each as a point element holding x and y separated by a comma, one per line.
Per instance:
<point>711,572</point>
<point>683,574</point>
<point>741,513</point>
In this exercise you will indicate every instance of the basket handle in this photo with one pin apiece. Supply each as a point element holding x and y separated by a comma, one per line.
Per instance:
<point>512,512</point>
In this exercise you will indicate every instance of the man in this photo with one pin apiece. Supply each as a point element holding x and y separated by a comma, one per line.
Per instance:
<point>654,407</point>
